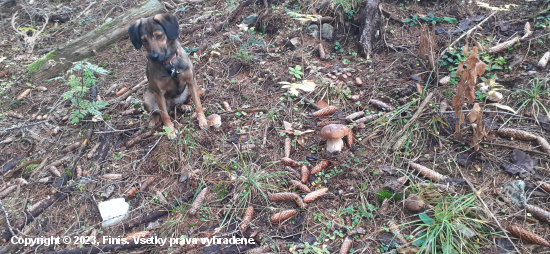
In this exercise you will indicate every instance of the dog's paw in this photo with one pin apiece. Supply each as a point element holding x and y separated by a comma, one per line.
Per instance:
<point>185,109</point>
<point>203,124</point>
<point>173,134</point>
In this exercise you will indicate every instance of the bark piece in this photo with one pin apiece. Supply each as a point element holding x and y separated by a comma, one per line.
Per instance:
<point>369,26</point>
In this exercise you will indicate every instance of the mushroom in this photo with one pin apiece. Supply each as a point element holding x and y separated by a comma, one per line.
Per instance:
<point>214,120</point>
<point>333,134</point>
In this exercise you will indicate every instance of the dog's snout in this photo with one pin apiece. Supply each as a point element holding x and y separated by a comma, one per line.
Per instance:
<point>154,56</point>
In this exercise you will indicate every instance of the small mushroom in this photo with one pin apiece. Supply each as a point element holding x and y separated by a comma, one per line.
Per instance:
<point>214,120</point>
<point>414,203</point>
<point>333,134</point>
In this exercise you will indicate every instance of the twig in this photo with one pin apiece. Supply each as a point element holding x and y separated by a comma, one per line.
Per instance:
<point>7,219</point>
<point>485,207</point>
<point>310,102</point>
<point>413,119</point>
<point>513,147</point>
<point>467,33</point>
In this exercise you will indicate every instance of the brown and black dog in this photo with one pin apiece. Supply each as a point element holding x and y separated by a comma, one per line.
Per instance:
<point>169,70</point>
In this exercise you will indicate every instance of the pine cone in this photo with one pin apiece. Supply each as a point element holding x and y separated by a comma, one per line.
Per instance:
<point>538,213</point>
<point>226,106</point>
<point>517,134</point>
<point>319,167</point>
<point>315,195</point>
<point>283,196</point>
<point>346,245</point>
<point>325,111</point>
<point>428,173</point>
<point>288,146</point>
<point>300,186</point>
<point>543,144</point>
<point>198,201</point>
<point>543,185</point>
<point>305,174</point>
<point>247,218</point>
<point>281,216</point>
<point>527,235</point>
<point>366,119</point>
<point>502,46</point>
<point>395,230</point>
<point>350,138</point>
<point>289,162</point>
<point>355,115</point>
<point>544,60</point>
<point>381,105</point>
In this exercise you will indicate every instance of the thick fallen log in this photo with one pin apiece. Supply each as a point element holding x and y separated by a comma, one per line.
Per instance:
<point>153,216</point>
<point>95,40</point>
<point>369,26</point>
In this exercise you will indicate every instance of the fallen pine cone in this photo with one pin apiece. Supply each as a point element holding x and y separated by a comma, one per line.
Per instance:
<point>226,106</point>
<point>289,162</point>
<point>198,201</point>
<point>54,171</point>
<point>300,186</point>
<point>315,195</point>
<point>21,181</point>
<point>543,185</point>
<point>357,231</point>
<point>114,177</point>
<point>14,115</point>
<point>544,60</point>
<point>23,95</point>
<point>322,54</point>
<point>526,235</point>
<point>346,245</point>
<point>538,213</point>
<point>350,138</point>
<point>325,111</point>
<point>288,146</point>
<point>130,193</point>
<point>121,91</point>
<point>355,115</point>
<point>319,167</point>
<point>503,46</point>
<point>247,218</point>
<point>92,151</point>
<point>381,105</point>
<point>71,148</point>
<point>517,134</point>
<point>366,119</point>
<point>147,183</point>
<point>281,216</point>
<point>305,174</point>
<point>284,196</point>
<point>395,230</point>
<point>426,172</point>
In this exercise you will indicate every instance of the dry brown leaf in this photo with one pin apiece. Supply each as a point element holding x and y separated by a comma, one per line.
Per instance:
<point>315,195</point>
<point>281,216</point>
<point>322,104</point>
<point>427,173</point>
<point>476,120</point>
<point>300,186</point>
<point>247,218</point>
<point>287,126</point>
<point>199,201</point>
<point>305,174</point>
<point>320,166</point>
<point>526,235</point>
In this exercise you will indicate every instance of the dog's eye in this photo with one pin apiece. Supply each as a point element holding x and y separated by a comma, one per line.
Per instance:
<point>159,37</point>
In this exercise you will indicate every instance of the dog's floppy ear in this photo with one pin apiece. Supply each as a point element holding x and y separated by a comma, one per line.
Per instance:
<point>135,34</point>
<point>170,24</point>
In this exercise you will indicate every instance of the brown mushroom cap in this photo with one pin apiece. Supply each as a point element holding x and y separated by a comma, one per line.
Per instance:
<point>334,131</point>
<point>214,120</point>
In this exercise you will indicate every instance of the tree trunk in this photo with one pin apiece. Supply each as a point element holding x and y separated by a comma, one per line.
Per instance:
<point>369,26</point>
<point>95,40</point>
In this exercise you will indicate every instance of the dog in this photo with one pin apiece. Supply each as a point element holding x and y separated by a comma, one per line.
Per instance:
<point>169,70</point>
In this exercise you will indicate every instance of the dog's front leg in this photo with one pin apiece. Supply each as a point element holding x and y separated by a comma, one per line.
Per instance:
<point>161,102</point>
<point>194,91</point>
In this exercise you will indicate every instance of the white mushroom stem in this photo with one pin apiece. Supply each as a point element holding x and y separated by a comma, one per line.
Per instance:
<point>334,145</point>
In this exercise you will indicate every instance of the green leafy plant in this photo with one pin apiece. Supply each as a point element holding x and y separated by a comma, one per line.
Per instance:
<point>338,47</point>
<point>450,229</point>
<point>434,20</point>
<point>296,71</point>
<point>82,78</point>
<point>542,22</point>
<point>412,21</point>
<point>243,57</point>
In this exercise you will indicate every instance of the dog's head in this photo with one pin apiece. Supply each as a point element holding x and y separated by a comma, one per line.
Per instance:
<point>157,34</point>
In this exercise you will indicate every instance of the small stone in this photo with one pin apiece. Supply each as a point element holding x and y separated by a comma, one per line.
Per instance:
<point>327,31</point>
<point>250,19</point>
<point>358,81</point>
<point>295,41</point>
<point>529,73</point>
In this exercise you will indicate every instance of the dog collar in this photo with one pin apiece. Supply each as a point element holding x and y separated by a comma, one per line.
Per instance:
<point>172,59</point>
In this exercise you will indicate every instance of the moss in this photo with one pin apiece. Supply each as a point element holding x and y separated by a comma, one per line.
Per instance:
<point>385,194</point>
<point>38,63</point>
